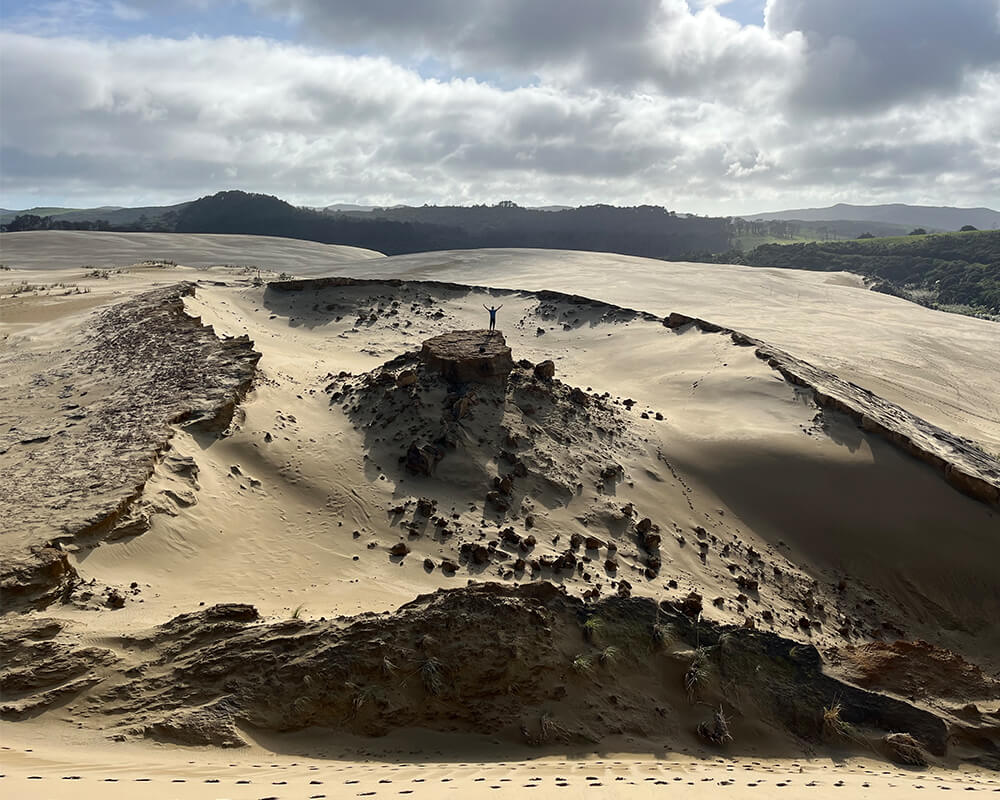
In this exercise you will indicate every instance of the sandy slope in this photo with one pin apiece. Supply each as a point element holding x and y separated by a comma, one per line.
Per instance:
<point>942,367</point>
<point>68,249</point>
<point>745,477</point>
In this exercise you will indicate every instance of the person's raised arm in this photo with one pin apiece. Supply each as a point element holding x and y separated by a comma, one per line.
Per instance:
<point>499,307</point>
<point>486,306</point>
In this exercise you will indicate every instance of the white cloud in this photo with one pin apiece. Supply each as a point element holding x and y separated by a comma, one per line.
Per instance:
<point>652,103</point>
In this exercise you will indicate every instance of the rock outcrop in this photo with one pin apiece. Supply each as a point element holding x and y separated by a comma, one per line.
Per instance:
<point>139,367</point>
<point>447,661</point>
<point>476,356</point>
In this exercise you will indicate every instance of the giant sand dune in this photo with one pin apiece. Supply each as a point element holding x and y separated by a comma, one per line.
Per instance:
<point>257,531</point>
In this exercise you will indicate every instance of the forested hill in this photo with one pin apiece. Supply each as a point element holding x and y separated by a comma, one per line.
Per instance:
<point>643,231</point>
<point>649,231</point>
<point>952,271</point>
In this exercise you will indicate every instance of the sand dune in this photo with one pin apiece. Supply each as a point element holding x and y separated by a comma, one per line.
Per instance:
<point>48,250</point>
<point>239,567</point>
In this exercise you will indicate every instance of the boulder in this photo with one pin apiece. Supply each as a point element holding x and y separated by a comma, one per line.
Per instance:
<point>422,458</point>
<point>406,378</point>
<point>545,370</point>
<point>692,604</point>
<point>475,356</point>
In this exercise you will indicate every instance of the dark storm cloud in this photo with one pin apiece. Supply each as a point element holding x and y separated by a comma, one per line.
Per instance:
<point>871,54</point>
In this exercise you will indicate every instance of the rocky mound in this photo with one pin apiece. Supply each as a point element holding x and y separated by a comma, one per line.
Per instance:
<point>81,434</point>
<point>528,664</point>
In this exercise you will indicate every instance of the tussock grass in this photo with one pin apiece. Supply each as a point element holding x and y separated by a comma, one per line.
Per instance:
<point>432,675</point>
<point>583,664</point>
<point>592,628</point>
<point>696,674</point>
<point>609,655</point>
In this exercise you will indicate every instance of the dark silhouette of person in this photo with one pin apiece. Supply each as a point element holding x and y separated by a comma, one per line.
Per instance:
<point>493,315</point>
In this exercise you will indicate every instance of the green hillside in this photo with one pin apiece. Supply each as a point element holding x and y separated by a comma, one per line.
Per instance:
<point>950,271</point>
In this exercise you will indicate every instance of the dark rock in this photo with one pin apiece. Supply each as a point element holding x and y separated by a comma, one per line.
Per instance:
<point>692,604</point>
<point>426,506</point>
<point>422,458</point>
<point>469,356</point>
<point>546,370</point>
<point>497,500</point>
<point>406,378</point>
<point>399,549</point>
<point>644,525</point>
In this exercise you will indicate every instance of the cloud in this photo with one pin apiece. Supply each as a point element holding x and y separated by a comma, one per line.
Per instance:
<point>653,103</point>
<point>863,56</point>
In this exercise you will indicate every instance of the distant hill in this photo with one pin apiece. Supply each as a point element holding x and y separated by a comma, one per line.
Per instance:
<point>114,216</point>
<point>7,214</point>
<point>939,218</point>
<point>649,231</point>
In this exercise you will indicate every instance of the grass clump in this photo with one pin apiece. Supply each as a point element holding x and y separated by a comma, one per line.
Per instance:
<point>609,655</point>
<point>583,664</point>
<point>432,675</point>
<point>696,674</point>
<point>592,628</point>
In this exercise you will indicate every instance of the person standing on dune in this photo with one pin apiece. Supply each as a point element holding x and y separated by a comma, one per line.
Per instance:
<point>493,315</point>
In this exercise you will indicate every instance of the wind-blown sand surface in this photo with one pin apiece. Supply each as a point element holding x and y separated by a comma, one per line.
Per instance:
<point>655,464</point>
<point>54,250</point>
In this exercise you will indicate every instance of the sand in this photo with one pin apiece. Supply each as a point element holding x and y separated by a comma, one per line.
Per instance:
<point>771,480</point>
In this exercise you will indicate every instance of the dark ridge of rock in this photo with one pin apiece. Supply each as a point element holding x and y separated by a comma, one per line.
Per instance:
<point>462,650</point>
<point>142,366</point>
<point>476,356</point>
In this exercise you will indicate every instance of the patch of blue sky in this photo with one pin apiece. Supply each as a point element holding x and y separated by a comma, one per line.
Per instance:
<point>745,12</point>
<point>123,19</point>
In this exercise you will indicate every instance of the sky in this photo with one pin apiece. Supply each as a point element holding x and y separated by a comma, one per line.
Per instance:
<point>702,106</point>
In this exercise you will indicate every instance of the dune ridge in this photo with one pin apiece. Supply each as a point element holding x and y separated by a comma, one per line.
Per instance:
<point>644,532</point>
<point>959,460</point>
